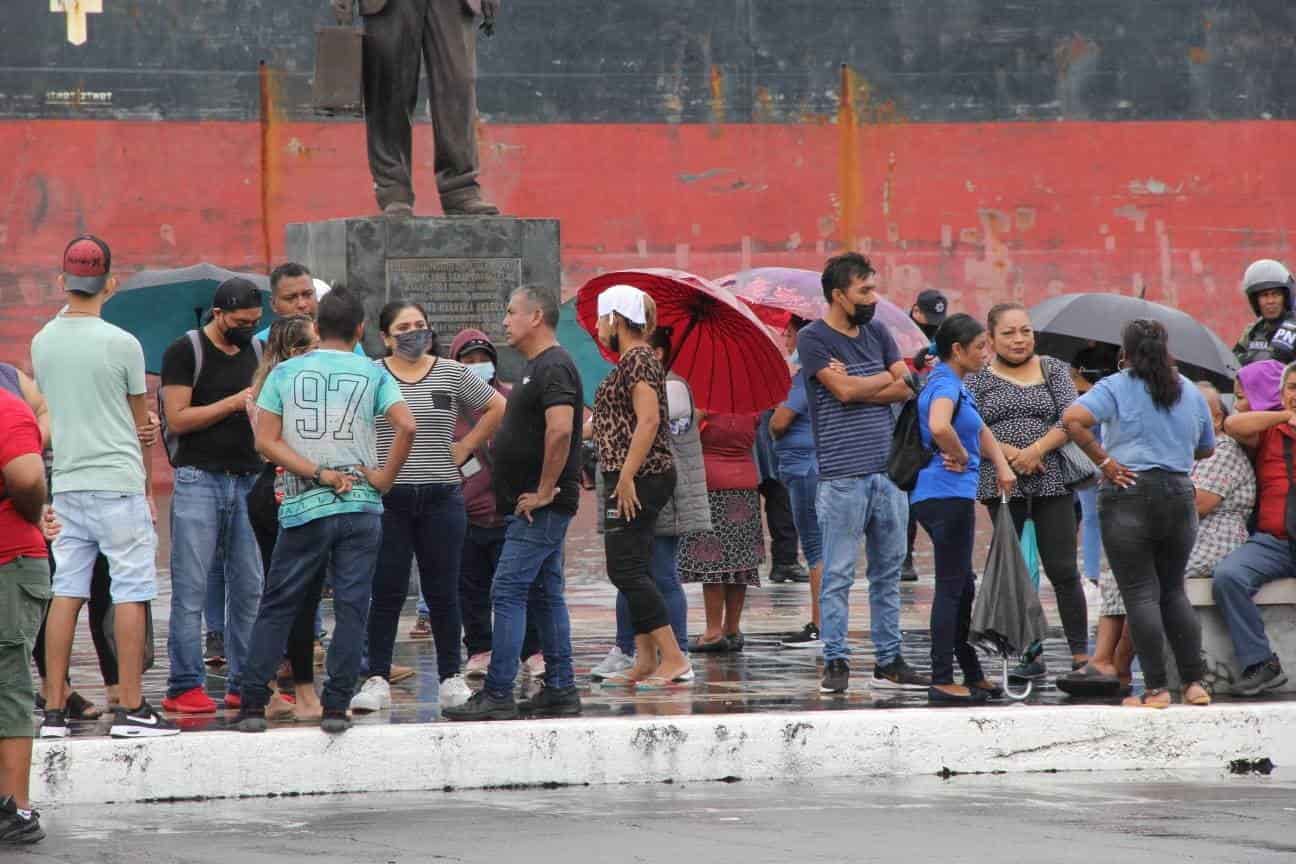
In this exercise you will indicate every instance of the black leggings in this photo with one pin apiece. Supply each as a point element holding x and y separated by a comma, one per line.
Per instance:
<point>628,546</point>
<point>1055,528</point>
<point>100,603</point>
<point>263,513</point>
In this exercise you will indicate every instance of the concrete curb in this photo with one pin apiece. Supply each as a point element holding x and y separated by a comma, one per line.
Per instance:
<point>799,746</point>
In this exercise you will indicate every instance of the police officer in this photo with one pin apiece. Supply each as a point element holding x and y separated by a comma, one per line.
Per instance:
<point>1268,286</point>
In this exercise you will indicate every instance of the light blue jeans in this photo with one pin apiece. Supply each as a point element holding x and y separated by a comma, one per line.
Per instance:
<point>1090,534</point>
<point>209,520</point>
<point>872,510</point>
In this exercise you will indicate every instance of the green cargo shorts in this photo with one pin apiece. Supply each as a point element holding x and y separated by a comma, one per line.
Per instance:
<point>24,592</point>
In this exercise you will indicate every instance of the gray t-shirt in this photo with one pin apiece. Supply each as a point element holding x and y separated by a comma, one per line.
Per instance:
<point>87,369</point>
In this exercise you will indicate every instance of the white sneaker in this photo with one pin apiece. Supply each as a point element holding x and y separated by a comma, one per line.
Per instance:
<point>534,666</point>
<point>614,662</point>
<point>375,695</point>
<point>454,691</point>
<point>477,665</point>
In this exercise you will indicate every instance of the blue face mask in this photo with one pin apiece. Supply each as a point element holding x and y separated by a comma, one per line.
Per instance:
<point>484,371</point>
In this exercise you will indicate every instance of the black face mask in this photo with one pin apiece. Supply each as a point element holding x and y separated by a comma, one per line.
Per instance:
<point>241,337</point>
<point>863,314</point>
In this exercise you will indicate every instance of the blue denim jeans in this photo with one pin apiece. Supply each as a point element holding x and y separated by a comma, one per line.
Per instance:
<point>666,577</point>
<point>426,521</point>
<point>351,542</point>
<point>209,523</point>
<point>951,522</point>
<point>872,510</point>
<point>803,489</point>
<point>214,613</point>
<point>1090,534</point>
<point>1244,571</point>
<point>531,569</point>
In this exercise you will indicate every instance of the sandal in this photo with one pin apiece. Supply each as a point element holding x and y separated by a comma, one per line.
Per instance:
<point>719,646</point>
<point>75,707</point>
<point>1203,697</point>
<point>1141,700</point>
<point>1088,683</point>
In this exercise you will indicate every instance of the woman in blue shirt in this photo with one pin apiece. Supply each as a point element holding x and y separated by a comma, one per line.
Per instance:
<point>1155,424</point>
<point>944,502</point>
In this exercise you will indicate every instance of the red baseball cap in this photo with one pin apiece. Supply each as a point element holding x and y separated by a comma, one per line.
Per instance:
<point>86,262</point>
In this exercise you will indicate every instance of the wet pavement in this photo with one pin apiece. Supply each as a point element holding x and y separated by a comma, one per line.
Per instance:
<point>763,677</point>
<point>1067,819</point>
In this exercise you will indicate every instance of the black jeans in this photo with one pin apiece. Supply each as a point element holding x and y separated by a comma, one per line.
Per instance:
<point>426,521</point>
<point>481,554</point>
<point>100,603</point>
<point>263,513</point>
<point>778,516</point>
<point>629,546</point>
<point>1055,530</point>
<point>951,522</point>
<point>1148,531</point>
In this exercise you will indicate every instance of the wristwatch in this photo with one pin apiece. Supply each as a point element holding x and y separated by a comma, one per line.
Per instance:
<point>318,476</point>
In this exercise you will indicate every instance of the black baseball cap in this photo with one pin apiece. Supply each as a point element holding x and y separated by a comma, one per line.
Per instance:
<point>237,293</point>
<point>478,345</point>
<point>86,263</point>
<point>933,305</point>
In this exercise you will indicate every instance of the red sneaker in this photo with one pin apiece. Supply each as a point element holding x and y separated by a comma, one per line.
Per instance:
<point>195,701</point>
<point>233,700</point>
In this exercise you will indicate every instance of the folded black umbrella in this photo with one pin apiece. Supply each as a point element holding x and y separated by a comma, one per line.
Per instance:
<point>1067,324</point>
<point>1007,616</point>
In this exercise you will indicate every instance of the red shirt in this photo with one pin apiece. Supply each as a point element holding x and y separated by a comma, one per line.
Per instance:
<point>19,436</point>
<point>1271,477</point>
<point>727,442</point>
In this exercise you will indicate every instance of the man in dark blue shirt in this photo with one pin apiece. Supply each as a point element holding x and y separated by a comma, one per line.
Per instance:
<point>854,374</point>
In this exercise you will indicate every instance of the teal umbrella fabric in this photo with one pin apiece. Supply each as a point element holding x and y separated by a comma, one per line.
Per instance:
<point>157,307</point>
<point>583,349</point>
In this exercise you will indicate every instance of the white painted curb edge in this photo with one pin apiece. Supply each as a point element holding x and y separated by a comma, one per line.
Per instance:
<point>799,746</point>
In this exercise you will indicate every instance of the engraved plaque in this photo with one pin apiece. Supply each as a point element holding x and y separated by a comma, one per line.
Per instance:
<point>457,292</point>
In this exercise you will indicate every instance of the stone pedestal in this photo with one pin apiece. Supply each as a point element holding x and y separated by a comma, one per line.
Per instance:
<point>462,269</point>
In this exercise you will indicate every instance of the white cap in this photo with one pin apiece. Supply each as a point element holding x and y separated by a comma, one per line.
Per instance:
<point>321,288</point>
<point>626,299</point>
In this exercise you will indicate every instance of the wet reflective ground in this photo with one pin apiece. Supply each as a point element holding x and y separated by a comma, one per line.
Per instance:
<point>1060,819</point>
<point>763,677</point>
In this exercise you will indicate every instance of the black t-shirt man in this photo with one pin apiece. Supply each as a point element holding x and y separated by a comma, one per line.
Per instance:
<point>226,445</point>
<point>548,380</point>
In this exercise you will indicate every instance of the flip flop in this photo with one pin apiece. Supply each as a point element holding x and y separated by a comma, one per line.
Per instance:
<point>1141,701</point>
<point>1204,699</point>
<point>1088,683</point>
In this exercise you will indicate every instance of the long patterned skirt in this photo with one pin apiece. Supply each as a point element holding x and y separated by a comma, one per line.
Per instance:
<point>731,552</point>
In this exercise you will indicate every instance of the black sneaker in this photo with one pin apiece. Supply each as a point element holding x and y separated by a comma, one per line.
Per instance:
<point>975,696</point>
<point>482,706</point>
<point>1261,678</point>
<point>14,829</point>
<point>552,702</point>
<point>793,572</point>
<point>836,677</point>
<point>335,721</point>
<point>806,637</point>
<point>142,722</point>
<point>215,653</point>
<point>54,725</point>
<point>251,720</point>
<point>908,573</point>
<point>1028,670</point>
<point>899,675</point>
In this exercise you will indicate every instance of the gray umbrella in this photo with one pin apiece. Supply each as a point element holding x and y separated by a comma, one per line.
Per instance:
<point>1065,325</point>
<point>1007,615</point>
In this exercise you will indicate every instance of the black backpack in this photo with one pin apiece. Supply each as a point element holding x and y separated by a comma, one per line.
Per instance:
<point>908,455</point>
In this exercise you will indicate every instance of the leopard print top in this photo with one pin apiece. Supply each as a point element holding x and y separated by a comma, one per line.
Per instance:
<point>614,414</point>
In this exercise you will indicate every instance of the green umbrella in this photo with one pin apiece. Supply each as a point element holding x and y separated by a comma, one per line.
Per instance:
<point>583,349</point>
<point>157,307</point>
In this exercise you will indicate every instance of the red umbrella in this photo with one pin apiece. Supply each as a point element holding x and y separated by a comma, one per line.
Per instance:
<point>776,292</point>
<point>718,345</point>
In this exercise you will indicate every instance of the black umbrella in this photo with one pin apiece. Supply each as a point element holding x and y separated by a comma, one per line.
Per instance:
<point>1007,616</point>
<point>1067,324</point>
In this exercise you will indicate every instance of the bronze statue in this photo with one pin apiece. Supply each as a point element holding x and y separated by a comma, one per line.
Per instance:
<point>398,33</point>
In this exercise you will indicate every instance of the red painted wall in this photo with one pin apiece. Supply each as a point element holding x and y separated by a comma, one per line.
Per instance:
<point>984,212</point>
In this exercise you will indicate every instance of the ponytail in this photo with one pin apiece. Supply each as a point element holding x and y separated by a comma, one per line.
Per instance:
<point>1147,355</point>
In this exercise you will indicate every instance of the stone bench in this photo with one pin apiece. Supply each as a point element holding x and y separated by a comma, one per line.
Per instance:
<point>1277,602</point>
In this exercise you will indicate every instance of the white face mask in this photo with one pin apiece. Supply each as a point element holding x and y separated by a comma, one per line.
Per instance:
<point>484,371</point>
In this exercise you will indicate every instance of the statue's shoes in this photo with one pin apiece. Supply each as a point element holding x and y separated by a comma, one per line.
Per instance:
<point>398,209</point>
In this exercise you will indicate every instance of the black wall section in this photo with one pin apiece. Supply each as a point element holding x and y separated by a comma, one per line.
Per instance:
<point>623,61</point>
